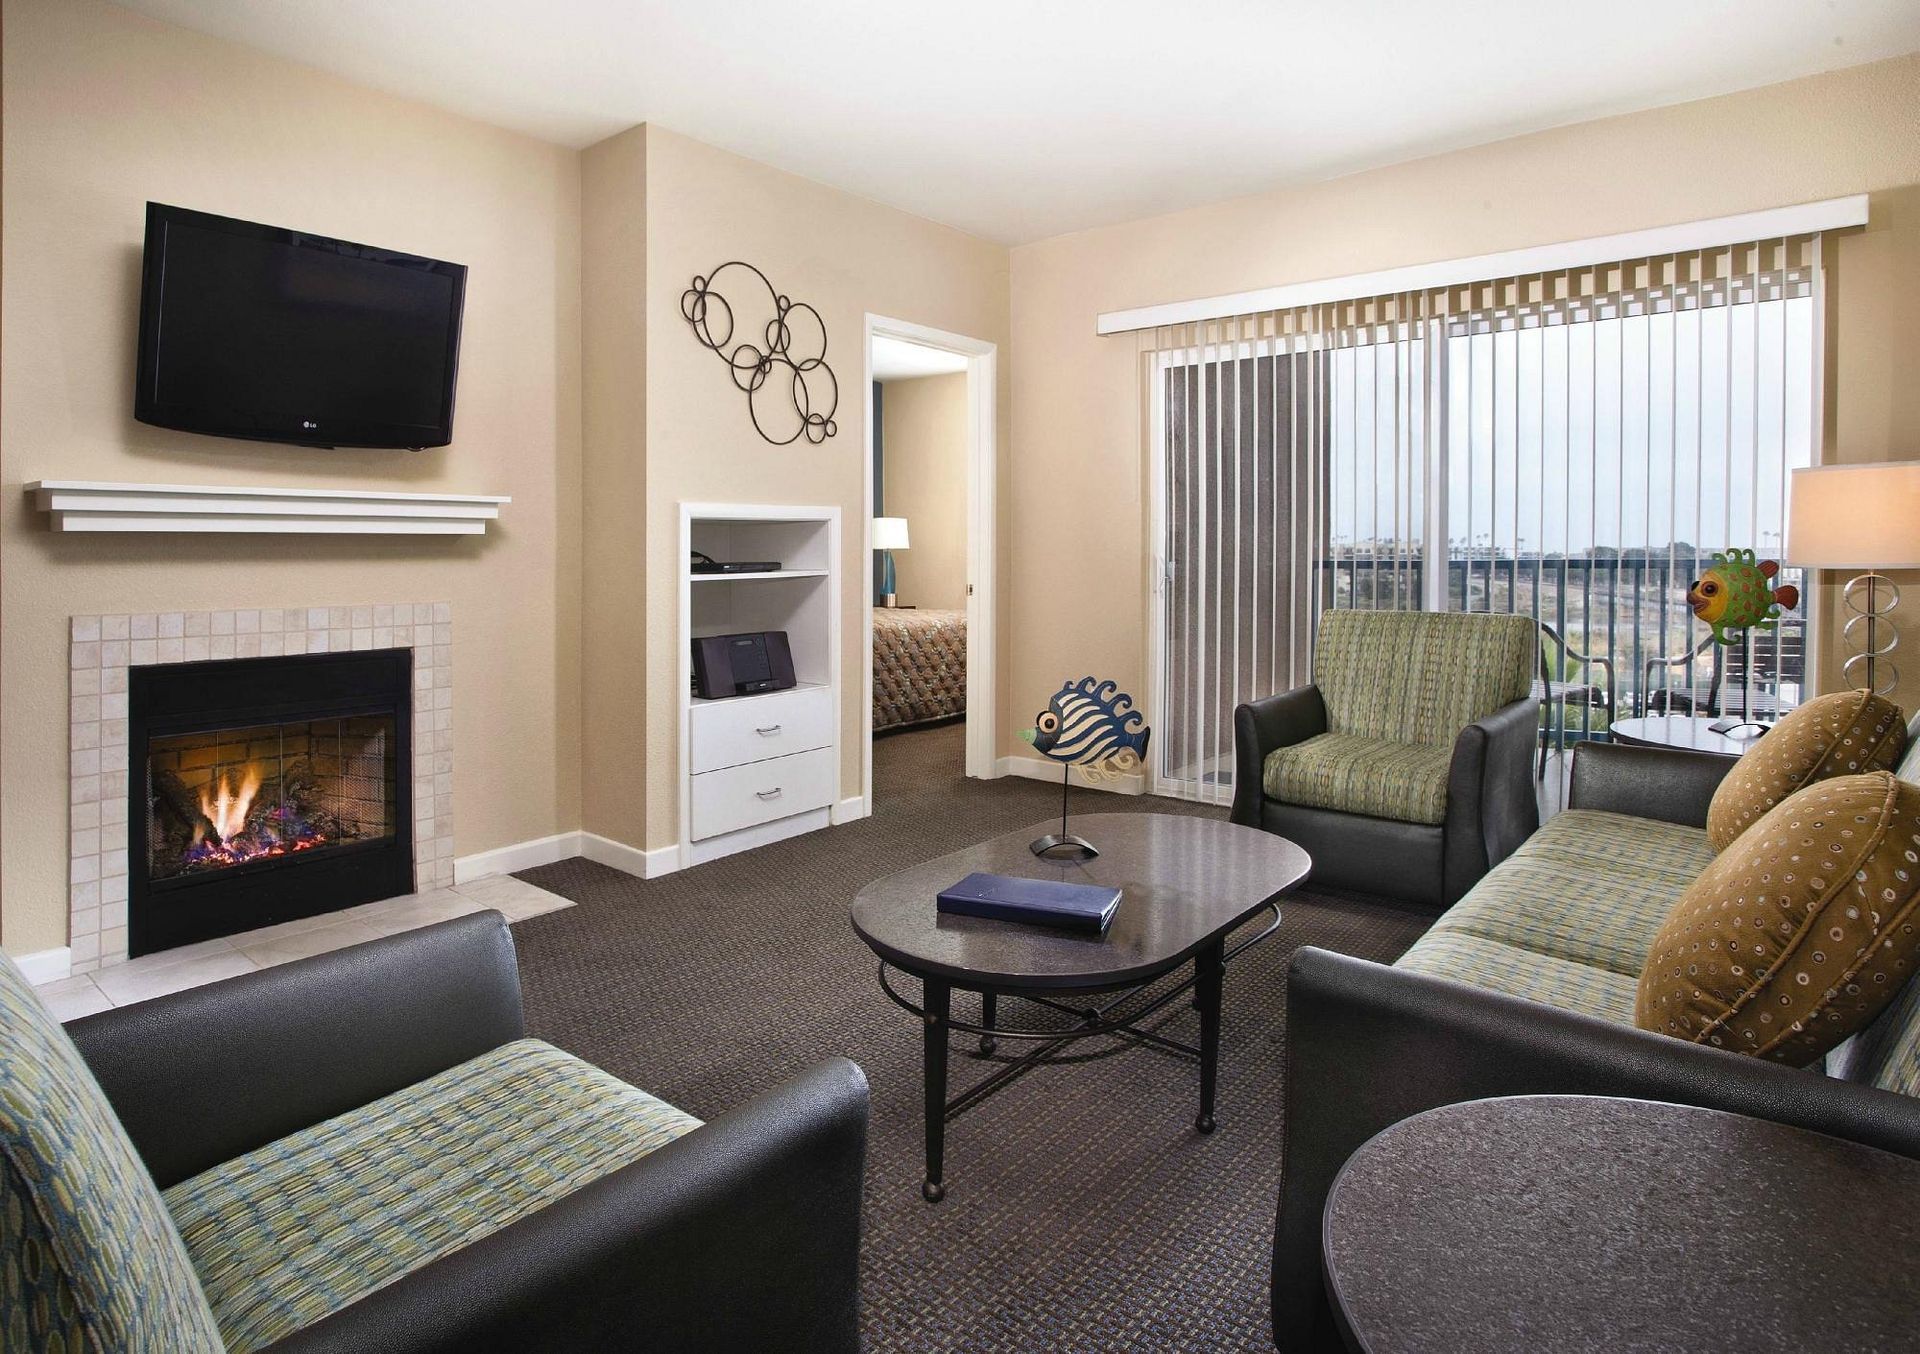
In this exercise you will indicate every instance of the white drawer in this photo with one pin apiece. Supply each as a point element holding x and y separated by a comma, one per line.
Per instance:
<point>741,796</point>
<point>755,728</point>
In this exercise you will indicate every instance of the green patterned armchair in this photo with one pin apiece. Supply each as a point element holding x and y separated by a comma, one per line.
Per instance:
<point>1406,769</point>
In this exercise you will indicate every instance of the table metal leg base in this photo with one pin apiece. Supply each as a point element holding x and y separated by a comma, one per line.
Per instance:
<point>1209,974</point>
<point>938,999</point>
<point>937,1024</point>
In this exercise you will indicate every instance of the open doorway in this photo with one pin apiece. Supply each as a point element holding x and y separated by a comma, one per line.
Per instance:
<point>930,487</point>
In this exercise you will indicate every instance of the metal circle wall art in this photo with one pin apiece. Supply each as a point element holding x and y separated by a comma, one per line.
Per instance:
<point>785,376</point>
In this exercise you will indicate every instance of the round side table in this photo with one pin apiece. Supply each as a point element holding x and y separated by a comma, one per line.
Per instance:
<point>1692,732</point>
<point>1586,1223</point>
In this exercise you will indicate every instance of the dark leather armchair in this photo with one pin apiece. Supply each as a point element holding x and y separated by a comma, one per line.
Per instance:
<point>743,1233</point>
<point>1406,769</point>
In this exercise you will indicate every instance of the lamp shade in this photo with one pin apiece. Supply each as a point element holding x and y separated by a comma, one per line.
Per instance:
<point>1855,516</point>
<point>889,533</point>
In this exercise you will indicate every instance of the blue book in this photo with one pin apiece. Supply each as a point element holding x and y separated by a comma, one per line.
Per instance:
<point>1038,902</point>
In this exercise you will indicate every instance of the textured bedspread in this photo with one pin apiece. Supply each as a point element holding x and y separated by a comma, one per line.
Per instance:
<point>919,666</point>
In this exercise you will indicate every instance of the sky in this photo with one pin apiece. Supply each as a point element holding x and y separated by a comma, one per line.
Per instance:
<point>1634,432</point>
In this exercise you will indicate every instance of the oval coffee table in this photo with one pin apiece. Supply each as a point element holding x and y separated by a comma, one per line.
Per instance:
<point>1186,883</point>
<point>1587,1223</point>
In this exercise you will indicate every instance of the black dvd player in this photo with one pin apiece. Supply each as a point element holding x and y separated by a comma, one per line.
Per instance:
<point>706,564</point>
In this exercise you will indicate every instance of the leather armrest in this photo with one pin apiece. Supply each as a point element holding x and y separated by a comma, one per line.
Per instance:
<point>1261,726</point>
<point>1492,803</point>
<point>201,1076</point>
<point>744,1234</point>
<point>1369,1045</point>
<point>1673,785</point>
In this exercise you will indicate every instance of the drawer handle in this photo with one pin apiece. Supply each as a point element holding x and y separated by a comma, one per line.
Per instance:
<point>769,731</point>
<point>774,793</point>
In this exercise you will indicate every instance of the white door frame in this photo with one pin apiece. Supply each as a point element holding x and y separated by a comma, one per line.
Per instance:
<point>982,464</point>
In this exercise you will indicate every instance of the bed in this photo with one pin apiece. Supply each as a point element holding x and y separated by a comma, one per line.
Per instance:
<point>919,667</point>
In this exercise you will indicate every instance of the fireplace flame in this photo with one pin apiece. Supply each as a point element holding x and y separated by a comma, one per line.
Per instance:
<point>226,809</point>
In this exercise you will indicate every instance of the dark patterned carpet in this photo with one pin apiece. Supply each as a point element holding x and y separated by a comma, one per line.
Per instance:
<point>1083,1212</point>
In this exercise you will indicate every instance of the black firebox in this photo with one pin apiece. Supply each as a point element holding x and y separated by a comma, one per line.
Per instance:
<point>262,790</point>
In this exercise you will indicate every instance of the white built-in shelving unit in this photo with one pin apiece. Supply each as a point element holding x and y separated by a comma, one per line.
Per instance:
<point>759,768</point>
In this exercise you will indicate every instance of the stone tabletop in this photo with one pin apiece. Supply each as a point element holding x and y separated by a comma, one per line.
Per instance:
<point>1584,1223</point>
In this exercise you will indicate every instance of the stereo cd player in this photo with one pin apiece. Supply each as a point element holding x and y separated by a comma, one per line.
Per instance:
<point>741,665</point>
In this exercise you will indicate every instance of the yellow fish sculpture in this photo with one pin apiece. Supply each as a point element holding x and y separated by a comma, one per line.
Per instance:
<point>1738,593</point>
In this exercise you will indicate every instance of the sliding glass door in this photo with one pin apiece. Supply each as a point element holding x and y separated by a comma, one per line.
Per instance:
<point>1238,424</point>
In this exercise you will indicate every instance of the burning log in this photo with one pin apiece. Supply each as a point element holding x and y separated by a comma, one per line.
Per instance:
<point>293,794</point>
<point>180,809</point>
<point>294,786</point>
<point>243,813</point>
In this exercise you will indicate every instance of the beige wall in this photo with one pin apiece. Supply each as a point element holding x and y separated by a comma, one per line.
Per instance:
<point>843,255</point>
<point>613,766</point>
<point>1076,396</point>
<point>924,471</point>
<point>104,110</point>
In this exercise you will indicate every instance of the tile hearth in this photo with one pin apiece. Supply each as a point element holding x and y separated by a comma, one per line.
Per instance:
<point>175,970</point>
<point>103,649</point>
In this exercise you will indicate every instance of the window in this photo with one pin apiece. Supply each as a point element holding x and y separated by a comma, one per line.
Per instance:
<point>1571,446</point>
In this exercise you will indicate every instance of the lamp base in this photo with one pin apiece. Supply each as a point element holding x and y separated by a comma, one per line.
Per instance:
<point>1056,846</point>
<point>1871,598</point>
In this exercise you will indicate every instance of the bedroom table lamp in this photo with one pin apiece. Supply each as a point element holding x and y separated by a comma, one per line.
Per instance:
<point>889,535</point>
<point>1864,517</point>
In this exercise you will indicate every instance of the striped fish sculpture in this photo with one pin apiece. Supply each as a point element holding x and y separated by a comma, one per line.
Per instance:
<point>1091,725</point>
<point>1738,592</point>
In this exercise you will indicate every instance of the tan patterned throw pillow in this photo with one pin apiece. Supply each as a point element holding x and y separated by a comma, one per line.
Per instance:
<point>1801,931</point>
<point>1840,734</point>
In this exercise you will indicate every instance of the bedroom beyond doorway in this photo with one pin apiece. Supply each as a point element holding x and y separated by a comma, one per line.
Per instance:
<point>930,493</point>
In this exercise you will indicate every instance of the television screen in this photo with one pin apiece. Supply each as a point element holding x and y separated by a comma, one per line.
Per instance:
<point>253,331</point>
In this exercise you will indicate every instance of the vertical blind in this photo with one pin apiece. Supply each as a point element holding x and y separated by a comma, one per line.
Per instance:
<point>1570,445</point>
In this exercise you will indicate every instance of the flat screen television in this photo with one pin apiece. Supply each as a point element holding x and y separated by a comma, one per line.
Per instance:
<point>254,331</point>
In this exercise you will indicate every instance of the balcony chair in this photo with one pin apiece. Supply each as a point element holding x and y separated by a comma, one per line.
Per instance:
<point>362,1150</point>
<point>1745,678</point>
<point>1559,693</point>
<point>1406,769</point>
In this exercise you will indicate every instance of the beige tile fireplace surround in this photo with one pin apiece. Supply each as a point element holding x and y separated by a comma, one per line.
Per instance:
<point>103,648</point>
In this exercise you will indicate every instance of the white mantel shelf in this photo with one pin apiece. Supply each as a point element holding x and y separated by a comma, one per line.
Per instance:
<point>99,505</point>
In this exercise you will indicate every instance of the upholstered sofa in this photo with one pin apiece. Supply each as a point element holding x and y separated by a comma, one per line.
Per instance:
<point>1406,768</point>
<point>364,1151</point>
<point>1527,986</point>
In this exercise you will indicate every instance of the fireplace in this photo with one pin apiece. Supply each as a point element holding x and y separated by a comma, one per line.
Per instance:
<point>264,790</point>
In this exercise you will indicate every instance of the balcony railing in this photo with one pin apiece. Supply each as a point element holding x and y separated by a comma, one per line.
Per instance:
<point>1628,607</point>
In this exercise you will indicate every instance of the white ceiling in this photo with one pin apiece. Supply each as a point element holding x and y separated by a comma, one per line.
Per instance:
<point>1019,119</point>
<point>897,360</point>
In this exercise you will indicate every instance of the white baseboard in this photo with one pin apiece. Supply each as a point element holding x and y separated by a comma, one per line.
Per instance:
<point>1032,768</point>
<point>633,860</point>
<point>519,856</point>
<point>46,966</point>
<point>636,860</point>
<point>565,846</point>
